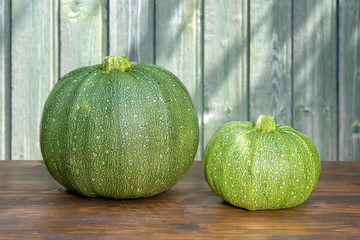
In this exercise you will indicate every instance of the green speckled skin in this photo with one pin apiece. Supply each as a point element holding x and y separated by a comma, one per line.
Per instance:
<point>259,170</point>
<point>119,134</point>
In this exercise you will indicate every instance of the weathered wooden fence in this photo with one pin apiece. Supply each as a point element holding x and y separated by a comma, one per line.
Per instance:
<point>298,60</point>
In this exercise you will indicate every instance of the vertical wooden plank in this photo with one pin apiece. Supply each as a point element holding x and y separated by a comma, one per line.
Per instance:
<point>225,64</point>
<point>349,80</point>
<point>33,71</point>
<point>314,71</point>
<point>131,29</point>
<point>178,47</point>
<point>5,86</point>
<point>270,59</point>
<point>83,33</point>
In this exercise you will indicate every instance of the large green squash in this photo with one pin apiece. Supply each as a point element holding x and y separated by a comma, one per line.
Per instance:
<point>119,130</point>
<point>261,166</point>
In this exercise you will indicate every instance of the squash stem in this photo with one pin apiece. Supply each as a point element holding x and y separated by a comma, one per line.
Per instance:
<point>116,62</point>
<point>265,123</point>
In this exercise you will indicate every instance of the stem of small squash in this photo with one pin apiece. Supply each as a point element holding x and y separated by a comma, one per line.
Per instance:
<point>265,123</point>
<point>116,62</point>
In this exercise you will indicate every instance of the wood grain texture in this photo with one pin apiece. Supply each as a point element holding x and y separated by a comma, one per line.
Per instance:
<point>178,48</point>
<point>349,80</point>
<point>296,60</point>
<point>225,64</point>
<point>131,29</point>
<point>33,71</point>
<point>270,60</point>
<point>314,71</point>
<point>83,33</point>
<point>5,81</point>
<point>32,204</point>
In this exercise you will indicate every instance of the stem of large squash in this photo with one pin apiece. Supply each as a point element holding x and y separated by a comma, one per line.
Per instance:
<point>116,62</point>
<point>265,123</point>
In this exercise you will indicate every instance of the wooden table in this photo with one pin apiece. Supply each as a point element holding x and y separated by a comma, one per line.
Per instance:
<point>34,206</point>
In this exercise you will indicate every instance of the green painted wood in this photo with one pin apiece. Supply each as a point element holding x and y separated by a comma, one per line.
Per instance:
<point>349,80</point>
<point>33,72</point>
<point>83,33</point>
<point>225,64</point>
<point>5,86</point>
<point>314,74</point>
<point>270,59</point>
<point>178,47</point>
<point>292,71</point>
<point>131,29</point>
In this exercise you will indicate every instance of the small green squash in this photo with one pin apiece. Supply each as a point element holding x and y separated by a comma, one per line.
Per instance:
<point>119,130</point>
<point>261,166</point>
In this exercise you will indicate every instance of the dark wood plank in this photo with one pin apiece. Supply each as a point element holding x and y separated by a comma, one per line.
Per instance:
<point>32,204</point>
